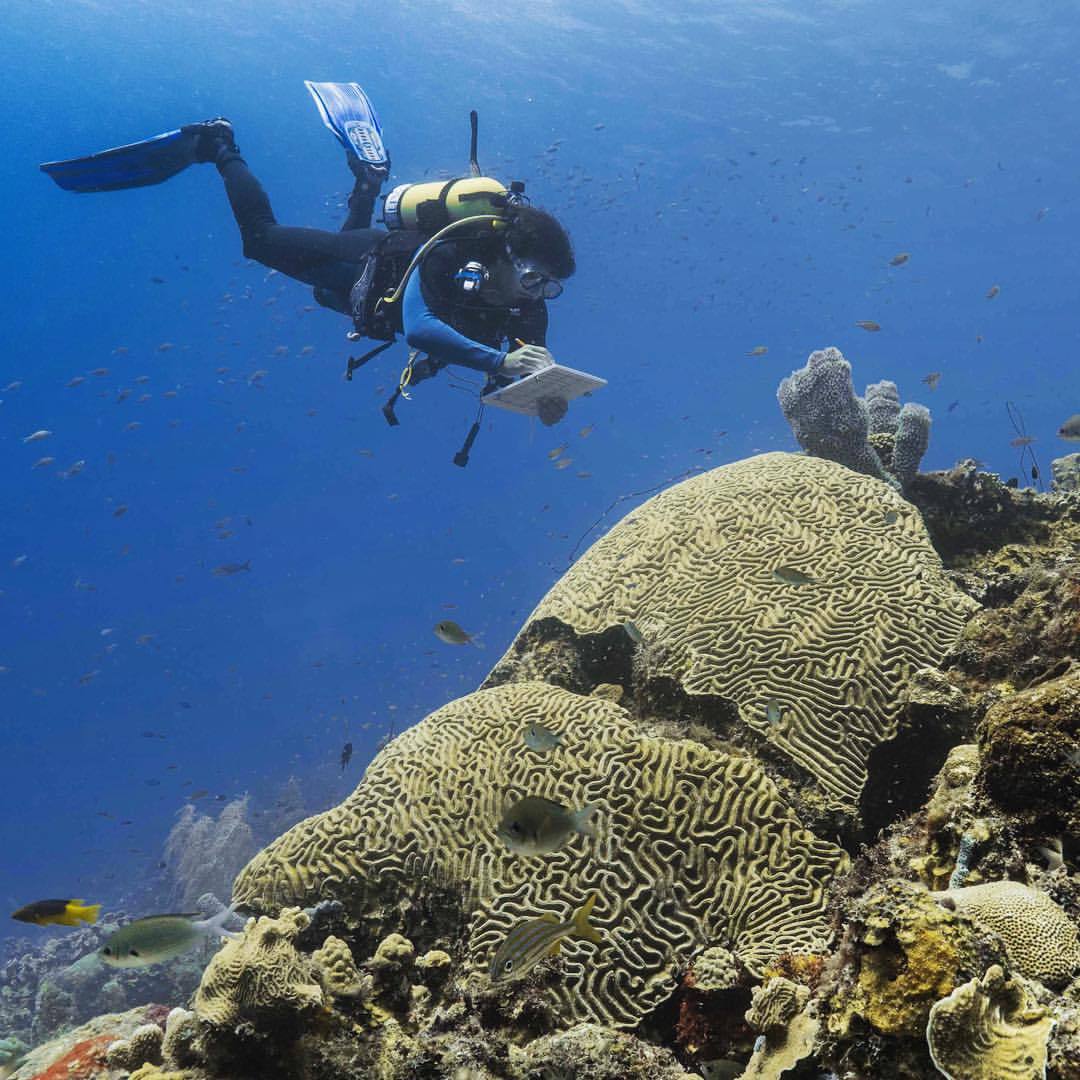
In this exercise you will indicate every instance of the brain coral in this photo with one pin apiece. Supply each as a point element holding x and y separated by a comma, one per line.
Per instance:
<point>693,847</point>
<point>1041,940</point>
<point>693,570</point>
<point>260,974</point>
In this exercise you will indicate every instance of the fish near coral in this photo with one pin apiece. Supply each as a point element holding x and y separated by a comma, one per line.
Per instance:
<point>869,325</point>
<point>158,938</point>
<point>537,826</point>
<point>788,575</point>
<point>450,633</point>
<point>58,913</point>
<point>533,940</point>
<point>1070,430</point>
<point>541,739</point>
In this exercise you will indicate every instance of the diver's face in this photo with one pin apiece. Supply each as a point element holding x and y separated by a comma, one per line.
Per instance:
<point>521,280</point>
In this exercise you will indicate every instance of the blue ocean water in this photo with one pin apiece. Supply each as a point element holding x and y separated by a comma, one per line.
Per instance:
<point>733,175</point>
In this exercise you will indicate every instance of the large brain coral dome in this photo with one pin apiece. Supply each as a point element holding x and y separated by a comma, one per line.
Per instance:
<point>693,847</point>
<point>693,570</point>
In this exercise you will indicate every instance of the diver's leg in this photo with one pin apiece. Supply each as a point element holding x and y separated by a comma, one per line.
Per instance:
<point>369,181</point>
<point>315,256</point>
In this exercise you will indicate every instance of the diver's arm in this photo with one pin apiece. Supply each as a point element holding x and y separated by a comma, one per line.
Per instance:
<point>425,331</point>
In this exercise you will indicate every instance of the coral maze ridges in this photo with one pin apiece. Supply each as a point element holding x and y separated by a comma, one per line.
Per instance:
<point>693,846</point>
<point>693,566</point>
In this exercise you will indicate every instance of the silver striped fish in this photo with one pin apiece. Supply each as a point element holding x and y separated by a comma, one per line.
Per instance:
<point>530,941</point>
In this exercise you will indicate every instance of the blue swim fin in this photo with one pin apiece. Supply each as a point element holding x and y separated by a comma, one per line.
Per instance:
<point>347,111</point>
<point>134,165</point>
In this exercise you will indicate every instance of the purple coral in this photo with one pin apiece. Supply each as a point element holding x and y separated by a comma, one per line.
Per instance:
<point>828,419</point>
<point>874,436</point>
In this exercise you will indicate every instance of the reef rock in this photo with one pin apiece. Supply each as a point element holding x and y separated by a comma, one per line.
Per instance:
<point>1030,750</point>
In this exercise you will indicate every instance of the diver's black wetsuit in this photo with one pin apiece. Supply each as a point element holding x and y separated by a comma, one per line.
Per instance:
<point>331,263</point>
<point>327,260</point>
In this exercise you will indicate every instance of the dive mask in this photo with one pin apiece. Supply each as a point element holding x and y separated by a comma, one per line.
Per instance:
<point>533,282</point>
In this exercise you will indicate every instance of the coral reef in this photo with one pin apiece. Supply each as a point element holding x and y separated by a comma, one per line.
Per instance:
<point>692,846</point>
<point>83,1052</point>
<point>693,570</point>
<point>989,1029</point>
<point>728,724</point>
<point>874,436</point>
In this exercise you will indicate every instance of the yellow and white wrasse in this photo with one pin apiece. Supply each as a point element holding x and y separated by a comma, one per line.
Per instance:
<point>531,941</point>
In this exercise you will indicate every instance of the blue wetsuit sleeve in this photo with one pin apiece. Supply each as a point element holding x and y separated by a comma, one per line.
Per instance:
<point>425,331</point>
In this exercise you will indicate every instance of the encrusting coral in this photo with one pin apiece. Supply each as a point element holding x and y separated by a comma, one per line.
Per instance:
<point>694,569</point>
<point>693,846</point>
<point>989,1029</point>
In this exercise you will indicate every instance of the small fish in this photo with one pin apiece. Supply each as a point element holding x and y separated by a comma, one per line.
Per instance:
<point>537,826</point>
<point>992,291</point>
<point>758,350</point>
<point>632,632</point>
<point>230,568</point>
<point>37,436</point>
<point>868,324</point>
<point>42,462</point>
<point>1070,430</point>
<point>899,260</point>
<point>133,426</point>
<point>774,712</point>
<point>564,463</point>
<point>120,511</point>
<point>953,405</point>
<point>534,939</point>
<point>788,575</point>
<point>158,938</point>
<point>77,380</point>
<point>932,379</point>
<point>11,386</point>
<point>586,431</point>
<point>100,372</point>
<point>1022,440</point>
<point>58,913</point>
<point>448,632</point>
<point>346,755</point>
<point>553,454</point>
<point>891,517</point>
<point>76,468</point>
<point>165,346</point>
<point>1041,212</point>
<point>541,739</point>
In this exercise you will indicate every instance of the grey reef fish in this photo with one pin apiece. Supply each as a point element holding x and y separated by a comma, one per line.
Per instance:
<point>537,826</point>
<point>230,568</point>
<point>788,575</point>
<point>450,633</point>
<point>541,739</point>
<point>1070,430</point>
<point>158,938</point>
<point>534,939</point>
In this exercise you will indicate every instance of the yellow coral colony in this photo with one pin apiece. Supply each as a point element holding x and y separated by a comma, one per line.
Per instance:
<point>694,847</point>
<point>692,570</point>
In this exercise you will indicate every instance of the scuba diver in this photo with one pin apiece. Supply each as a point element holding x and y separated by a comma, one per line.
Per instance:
<point>464,268</point>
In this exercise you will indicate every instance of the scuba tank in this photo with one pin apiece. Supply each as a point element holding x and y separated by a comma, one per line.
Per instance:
<point>430,206</point>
